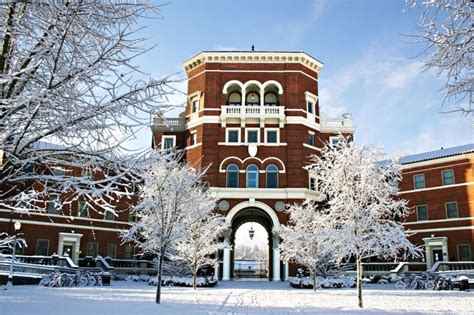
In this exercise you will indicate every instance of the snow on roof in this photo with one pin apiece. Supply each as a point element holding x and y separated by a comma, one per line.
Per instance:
<point>432,155</point>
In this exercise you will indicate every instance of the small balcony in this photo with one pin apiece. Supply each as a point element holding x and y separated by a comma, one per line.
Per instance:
<point>168,124</point>
<point>252,114</point>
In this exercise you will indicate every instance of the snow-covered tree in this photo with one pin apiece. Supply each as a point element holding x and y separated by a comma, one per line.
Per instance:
<point>445,29</point>
<point>172,199</point>
<point>363,208</point>
<point>70,97</point>
<point>199,247</point>
<point>8,241</point>
<point>308,239</point>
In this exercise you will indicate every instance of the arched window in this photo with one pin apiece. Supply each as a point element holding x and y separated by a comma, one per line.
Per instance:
<point>252,176</point>
<point>271,99</point>
<point>232,179</point>
<point>235,99</point>
<point>252,99</point>
<point>272,176</point>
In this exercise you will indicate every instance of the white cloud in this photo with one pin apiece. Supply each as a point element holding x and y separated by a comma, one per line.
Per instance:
<point>402,75</point>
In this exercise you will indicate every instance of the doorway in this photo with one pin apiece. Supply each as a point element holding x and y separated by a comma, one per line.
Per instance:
<point>251,252</point>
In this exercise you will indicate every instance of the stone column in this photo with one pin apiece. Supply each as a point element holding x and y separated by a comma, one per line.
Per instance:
<point>226,262</point>
<point>276,258</point>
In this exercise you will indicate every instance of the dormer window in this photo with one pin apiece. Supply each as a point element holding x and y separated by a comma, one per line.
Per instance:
<point>252,99</point>
<point>235,99</point>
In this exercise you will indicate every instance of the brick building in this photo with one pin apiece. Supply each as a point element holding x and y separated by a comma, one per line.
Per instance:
<point>439,186</point>
<point>253,117</point>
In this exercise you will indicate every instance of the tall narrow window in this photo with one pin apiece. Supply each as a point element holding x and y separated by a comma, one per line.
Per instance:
<point>42,247</point>
<point>311,138</point>
<point>448,177</point>
<point>83,209</point>
<point>235,99</point>
<point>92,249</point>
<point>252,176</point>
<point>419,181</point>
<point>310,107</point>
<point>452,210</point>
<point>464,252</point>
<point>194,105</point>
<point>232,175</point>
<point>422,213</point>
<point>272,176</point>
<point>312,183</point>
<point>112,250</point>
<point>129,251</point>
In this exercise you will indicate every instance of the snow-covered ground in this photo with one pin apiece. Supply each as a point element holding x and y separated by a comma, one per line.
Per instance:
<point>236,297</point>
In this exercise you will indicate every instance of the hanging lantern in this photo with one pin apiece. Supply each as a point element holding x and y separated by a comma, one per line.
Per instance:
<point>251,232</point>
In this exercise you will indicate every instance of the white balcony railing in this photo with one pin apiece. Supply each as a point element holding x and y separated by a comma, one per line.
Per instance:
<point>252,112</point>
<point>172,124</point>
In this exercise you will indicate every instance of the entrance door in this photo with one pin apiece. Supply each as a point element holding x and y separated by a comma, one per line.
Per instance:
<point>437,255</point>
<point>67,249</point>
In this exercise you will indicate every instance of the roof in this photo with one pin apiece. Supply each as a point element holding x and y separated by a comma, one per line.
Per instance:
<point>432,155</point>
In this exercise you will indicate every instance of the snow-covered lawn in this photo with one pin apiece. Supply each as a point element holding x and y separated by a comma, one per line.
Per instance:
<point>236,297</point>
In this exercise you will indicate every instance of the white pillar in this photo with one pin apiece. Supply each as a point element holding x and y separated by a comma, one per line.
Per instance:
<point>276,258</point>
<point>287,270</point>
<point>226,262</point>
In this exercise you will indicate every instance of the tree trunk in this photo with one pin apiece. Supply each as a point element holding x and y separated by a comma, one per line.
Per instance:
<point>314,282</point>
<point>158,284</point>
<point>359,281</point>
<point>194,279</point>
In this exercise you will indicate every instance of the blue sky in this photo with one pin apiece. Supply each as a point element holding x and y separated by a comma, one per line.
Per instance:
<point>370,69</point>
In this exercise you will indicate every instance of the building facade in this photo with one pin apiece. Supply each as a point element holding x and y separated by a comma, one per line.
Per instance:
<point>439,187</point>
<point>253,118</point>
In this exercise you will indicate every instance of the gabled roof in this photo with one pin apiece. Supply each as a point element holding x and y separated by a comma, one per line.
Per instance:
<point>432,155</point>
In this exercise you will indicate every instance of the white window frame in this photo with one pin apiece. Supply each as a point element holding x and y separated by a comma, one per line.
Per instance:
<point>278,135</point>
<point>442,177</point>
<point>79,209</point>
<point>427,213</point>
<point>414,181</point>
<point>247,134</point>
<point>334,138</point>
<point>315,183</point>
<point>163,137</point>
<point>227,130</point>
<point>310,97</point>
<point>194,140</point>
<point>446,209</point>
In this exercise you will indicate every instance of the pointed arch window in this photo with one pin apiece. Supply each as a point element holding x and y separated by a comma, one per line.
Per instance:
<point>272,176</point>
<point>252,176</point>
<point>232,176</point>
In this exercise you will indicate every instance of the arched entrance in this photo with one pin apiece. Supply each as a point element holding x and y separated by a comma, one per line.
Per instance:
<point>259,213</point>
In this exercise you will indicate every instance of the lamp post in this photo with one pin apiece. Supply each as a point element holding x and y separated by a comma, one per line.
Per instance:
<point>10,275</point>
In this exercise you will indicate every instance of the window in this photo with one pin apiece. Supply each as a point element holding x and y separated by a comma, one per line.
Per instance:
<point>109,216</point>
<point>252,99</point>
<point>194,105</point>
<point>112,250</point>
<point>129,251</point>
<point>58,171</point>
<point>272,135</point>
<point>448,177</point>
<point>168,142</point>
<point>235,99</point>
<point>311,138</point>
<point>312,183</point>
<point>310,107</point>
<point>272,176</point>
<point>92,249</point>
<point>422,213</point>
<point>419,181</point>
<point>194,138</point>
<point>53,207</point>
<point>333,141</point>
<point>252,136</point>
<point>232,178</point>
<point>42,247</point>
<point>271,99</point>
<point>464,252</point>
<point>83,209</point>
<point>252,176</point>
<point>233,135</point>
<point>132,216</point>
<point>452,210</point>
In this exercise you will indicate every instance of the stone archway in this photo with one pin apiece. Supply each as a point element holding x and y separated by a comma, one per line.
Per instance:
<point>262,214</point>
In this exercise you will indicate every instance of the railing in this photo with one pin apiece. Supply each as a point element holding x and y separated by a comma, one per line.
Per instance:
<point>54,260</point>
<point>171,122</point>
<point>345,121</point>
<point>452,266</point>
<point>409,266</point>
<point>32,269</point>
<point>127,266</point>
<point>253,111</point>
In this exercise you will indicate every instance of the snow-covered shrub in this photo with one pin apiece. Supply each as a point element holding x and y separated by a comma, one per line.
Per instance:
<point>186,281</point>
<point>325,283</point>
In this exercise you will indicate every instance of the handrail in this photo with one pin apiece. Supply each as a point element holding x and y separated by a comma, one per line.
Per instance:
<point>452,266</point>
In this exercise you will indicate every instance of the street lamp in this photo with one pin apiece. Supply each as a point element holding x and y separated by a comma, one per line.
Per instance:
<point>251,232</point>
<point>10,275</point>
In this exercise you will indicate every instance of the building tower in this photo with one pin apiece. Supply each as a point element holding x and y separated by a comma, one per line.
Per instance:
<point>253,117</point>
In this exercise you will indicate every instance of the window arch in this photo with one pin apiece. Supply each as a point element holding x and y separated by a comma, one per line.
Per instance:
<point>235,99</point>
<point>271,99</point>
<point>272,176</point>
<point>232,176</point>
<point>252,99</point>
<point>252,176</point>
